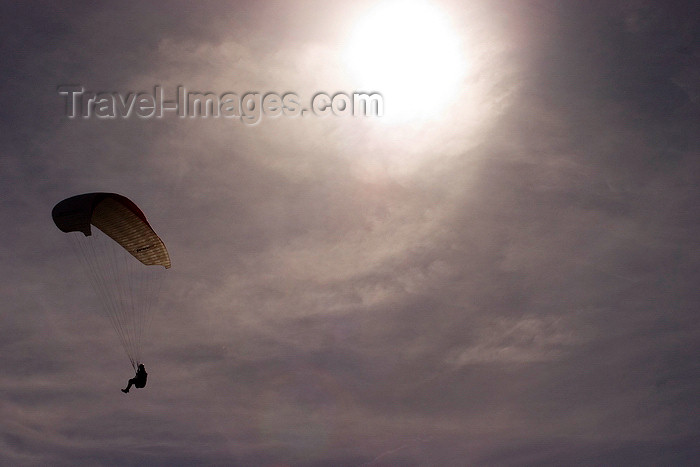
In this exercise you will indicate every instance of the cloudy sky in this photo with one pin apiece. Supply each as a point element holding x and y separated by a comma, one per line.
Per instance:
<point>501,270</point>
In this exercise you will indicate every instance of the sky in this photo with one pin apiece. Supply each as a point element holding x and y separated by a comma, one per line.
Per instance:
<point>500,270</point>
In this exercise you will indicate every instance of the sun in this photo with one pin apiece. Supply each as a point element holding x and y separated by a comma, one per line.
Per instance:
<point>408,52</point>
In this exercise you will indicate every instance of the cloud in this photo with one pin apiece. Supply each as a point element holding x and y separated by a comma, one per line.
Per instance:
<point>515,284</point>
<point>524,341</point>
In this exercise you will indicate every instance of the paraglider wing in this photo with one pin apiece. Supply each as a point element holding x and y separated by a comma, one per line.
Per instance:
<point>128,289</point>
<point>116,216</point>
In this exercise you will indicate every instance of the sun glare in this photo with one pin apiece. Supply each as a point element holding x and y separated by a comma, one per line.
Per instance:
<point>407,51</point>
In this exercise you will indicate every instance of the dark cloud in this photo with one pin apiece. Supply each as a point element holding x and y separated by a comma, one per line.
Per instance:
<point>515,284</point>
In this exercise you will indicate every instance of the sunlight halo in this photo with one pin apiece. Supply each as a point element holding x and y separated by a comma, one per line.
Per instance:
<point>408,52</point>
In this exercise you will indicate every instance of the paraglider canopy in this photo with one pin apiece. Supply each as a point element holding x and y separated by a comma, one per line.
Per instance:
<point>128,288</point>
<point>116,216</point>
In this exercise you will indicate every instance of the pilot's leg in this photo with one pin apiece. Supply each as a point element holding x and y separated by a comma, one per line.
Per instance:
<point>131,381</point>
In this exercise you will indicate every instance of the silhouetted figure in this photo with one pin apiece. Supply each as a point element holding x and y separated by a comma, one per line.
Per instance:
<point>139,380</point>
